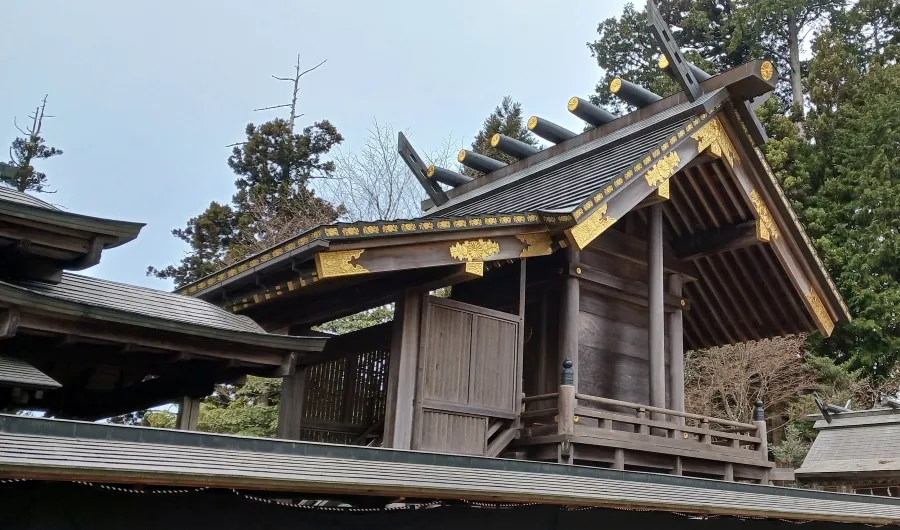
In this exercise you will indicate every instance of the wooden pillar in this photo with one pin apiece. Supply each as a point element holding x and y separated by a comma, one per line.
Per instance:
<point>656,309</point>
<point>569,321</point>
<point>520,354</point>
<point>188,414</point>
<point>293,400</point>
<point>401,390</point>
<point>676,352</point>
<point>759,418</point>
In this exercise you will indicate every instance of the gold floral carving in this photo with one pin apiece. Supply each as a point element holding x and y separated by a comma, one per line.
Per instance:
<point>370,229</point>
<point>475,267</point>
<point>663,170</point>
<point>337,263</point>
<point>766,229</point>
<point>350,231</point>
<point>767,70</point>
<point>713,137</point>
<point>538,244</point>
<point>331,231</point>
<point>443,224</point>
<point>474,250</point>
<point>408,227</point>
<point>821,313</point>
<point>591,227</point>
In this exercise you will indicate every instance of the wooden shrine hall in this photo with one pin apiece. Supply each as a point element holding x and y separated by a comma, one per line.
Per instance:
<point>579,275</point>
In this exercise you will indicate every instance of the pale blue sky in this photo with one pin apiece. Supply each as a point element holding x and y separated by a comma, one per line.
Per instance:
<point>147,95</point>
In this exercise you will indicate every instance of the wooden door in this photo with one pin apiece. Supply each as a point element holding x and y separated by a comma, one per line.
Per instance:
<point>467,376</point>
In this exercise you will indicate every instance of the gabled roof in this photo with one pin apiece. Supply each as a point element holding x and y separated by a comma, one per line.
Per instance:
<point>564,182</point>
<point>859,444</point>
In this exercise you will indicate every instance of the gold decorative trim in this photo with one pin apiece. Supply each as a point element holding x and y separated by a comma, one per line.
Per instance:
<point>495,140</point>
<point>532,123</point>
<point>615,85</point>
<point>767,70</point>
<point>663,62</point>
<point>820,312</point>
<point>431,170</point>
<point>538,244</point>
<point>474,250</point>
<point>475,268</point>
<point>337,263</point>
<point>802,231</point>
<point>766,229</point>
<point>713,137</point>
<point>461,156</point>
<point>663,170</point>
<point>573,104</point>
<point>663,190</point>
<point>591,227</point>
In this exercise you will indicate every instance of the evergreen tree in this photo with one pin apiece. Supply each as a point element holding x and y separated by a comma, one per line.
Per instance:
<point>24,151</point>
<point>507,119</point>
<point>272,201</point>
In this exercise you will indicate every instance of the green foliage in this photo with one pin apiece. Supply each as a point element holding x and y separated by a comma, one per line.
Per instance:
<point>365,319</point>
<point>272,201</point>
<point>24,151</point>
<point>792,450</point>
<point>626,48</point>
<point>248,410</point>
<point>508,120</point>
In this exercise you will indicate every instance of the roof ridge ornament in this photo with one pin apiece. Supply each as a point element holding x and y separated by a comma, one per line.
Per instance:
<point>678,65</point>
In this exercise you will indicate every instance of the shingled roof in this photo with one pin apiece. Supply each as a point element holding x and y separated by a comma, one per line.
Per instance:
<point>859,444</point>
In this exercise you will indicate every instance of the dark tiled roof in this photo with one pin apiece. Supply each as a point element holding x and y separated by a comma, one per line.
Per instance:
<point>19,373</point>
<point>565,180</point>
<point>143,301</point>
<point>11,195</point>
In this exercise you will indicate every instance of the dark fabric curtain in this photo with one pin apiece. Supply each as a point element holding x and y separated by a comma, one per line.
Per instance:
<point>59,506</point>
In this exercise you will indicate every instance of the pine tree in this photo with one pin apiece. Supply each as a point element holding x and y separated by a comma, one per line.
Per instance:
<point>24,151</point>
<point>507,119</point>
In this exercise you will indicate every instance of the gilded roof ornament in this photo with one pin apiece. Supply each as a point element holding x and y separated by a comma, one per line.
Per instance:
<point>337,263</point>
<point>713,137</point>
<point>663,170</point>
<point>591,227</point>
<point>766,229</point>
<point>474,250</point>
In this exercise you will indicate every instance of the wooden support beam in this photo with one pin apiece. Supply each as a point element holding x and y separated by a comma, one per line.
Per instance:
<point>463,249</point>
<point>188,414</point>
<point>622,289</point>
<point>711,242</point>
<point>400,406</point>
<point>656,309</point>
<point>633,249</point>
<point>9,322</point>
<point>293,401</point>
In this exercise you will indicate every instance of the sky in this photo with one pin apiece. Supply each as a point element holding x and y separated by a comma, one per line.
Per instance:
<point>147,95</point>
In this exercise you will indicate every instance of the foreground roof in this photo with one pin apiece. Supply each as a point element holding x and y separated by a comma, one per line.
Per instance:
<point>854,445</point>
<point>59,450</point>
